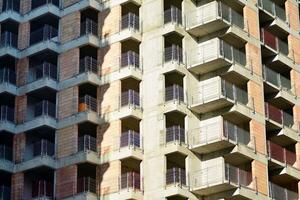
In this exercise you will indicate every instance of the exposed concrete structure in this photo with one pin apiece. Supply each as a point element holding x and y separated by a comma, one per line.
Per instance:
<point>149,99</point>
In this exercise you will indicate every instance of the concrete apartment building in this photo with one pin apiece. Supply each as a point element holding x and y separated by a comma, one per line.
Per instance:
<point>149,99</point>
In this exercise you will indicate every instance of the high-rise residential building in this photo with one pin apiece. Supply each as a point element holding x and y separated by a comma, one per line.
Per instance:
<point>149,99</point>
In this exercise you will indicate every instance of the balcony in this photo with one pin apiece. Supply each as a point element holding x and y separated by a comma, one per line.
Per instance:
<point>277,192</point>
<point>42,190</point>
<point>176,176</point>
<point>217,94</point>
<point>173,16</point>
<point>217,135</point>
<point>130,21</point>
<point>130,99</point>
<point>130,139</point>
<point>176,135</point>
<point>273,43</point>
<point>89,27</point>
<point>88,104</point>
<point>10,6</point>
<point>5,192</point>
<point>220,178</point>
<point>88,65</point>
<point>87,143</point>
<point>130,59</point>
<point>45,34</point>
<point>130,146</point>
<point>174,93</point>
<point>281,154</point>
<point>39,150</point>
<point>215,54</point>
<point>86,185</point>
<point>173,54</point>
<point>272,9</point>
<point>6,157</point>
<point>212,17</point>
<point>278,117</point>
<point>8,81</point>
<point>7,119</point>
<point>276,79</point>
<point>9,40</point>
<point>130,181</point>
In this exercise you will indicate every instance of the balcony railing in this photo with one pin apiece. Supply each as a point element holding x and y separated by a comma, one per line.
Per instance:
<point>44,70</point>
<point>86,184</point>
<point>39,3</point>
<point>42,148</point>
<point>176,176</point>
<point>43,34</point>
<point>130,98</point>
<point>173,53</point>
<point>281,154</point>
<point>220,174</point>
<point>89,27</point>
<point>278,115</point>
<point>130,21</point>
<point>130,59</point>
<point>11,5</point>
<point>44,108</point>
<point>276,79</point>
<point>280,193</point>
<point>173,15</point>
<point>5,192</point>
<point>8,39</point>
<point>274,42</point>
<point>130,180</point>
<point>130,139</point>
<point>5,153</point>
<point>42,189</point>
<point>174,93</point>
<point>87,143</point>
<point>7,76</point>
<point>272,8</point>
<point>87,103</point>
<point>175,134</point>
<point>88,64</point>
<point>7,114</point>
<point>234,93</point>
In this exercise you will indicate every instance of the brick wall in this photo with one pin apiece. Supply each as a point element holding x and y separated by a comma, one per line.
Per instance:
<point>67,141</point>
<point>257,130</point>
<point>25,6</point>
<point>17,185</point>
<point>109,21</point>
<point>109,96</point>
<point>251,22</point>
<point>19,143</point>
<point>67,102</point>
<point>20,108</point>
<point>297,147</point>
<point>292,14</point>
<point>24,35</point>
<point>260,173</point>
<point>109,58</point>
<point>69,64</point>
<point>254,58</point>
<point>66,181</point>
<point>22,71</point>
<point>255,92</point>
<point>70,27</point>
<point>295,82</point>
<point>294,46</point>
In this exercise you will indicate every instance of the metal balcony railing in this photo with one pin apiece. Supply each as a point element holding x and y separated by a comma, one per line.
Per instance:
<point>175,134</point>
<point>44,70</point>
<point>87,143</point>
<point>278,115</point>
<point>5,192</point>
<point>130,98</point>
<point>234,93</point>
<point>43,34</point>
<point>130,139</point>
<point>280,193</point>
<point>89,27</point>
<point>130,59</point>
<point>272,8</point>
<point>173,53</point>
<point>130,180</point>
<point>232,54</point>
<point>130,21</point>
<point>86,184</point>
<point>87,103</point>
<point>8,39</point>
<point>7,76</point>
<point>44,108</point>
<point>276,79</point>
<point>176,176</point>
<point>274,42</point>
<point>6,153</point>
<point>39,3</point>
<point>173,15</point>
<point>174,93</point>
<point>281,154</point>
<point>42,148</point>
<point>42,189</point>
<point>220,174</point>
<point>11,5</point>
<point>88,64</point>
<point>7,114</point>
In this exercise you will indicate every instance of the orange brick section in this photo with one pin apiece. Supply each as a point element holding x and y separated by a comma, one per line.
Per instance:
<point>108,177</point>
<point>297,147</point>
<point>108,136</point>
<point>251,22</point>
<point>69,64</point>
<point>17,183</point>
<point>109,21</point>
<point>25,6</point>
<point>254,58</point>
<point>22,71</point>
<point>110,57</point>
<point>67,102</point>
<point>66,182</point>
<point>260,176</point>
<point>295,81</point>
<point>19,143</point>
<point>109,97</point>
<point>296,115</point>
<point>294,46</point>
<point>292,14</point>
<point>24,35</point>
<point>67,3</point>
<point>67,141</point>
<point>20,109</point>
<point>257,130</point>
<point>255,92</point>
<point>70,27</point>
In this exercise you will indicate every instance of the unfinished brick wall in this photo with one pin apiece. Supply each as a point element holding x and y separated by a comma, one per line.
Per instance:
<point>109,58</point>
<point>67,102</point>
<point>70,27</point>
<point>257,130</point>
<point>19,143</point>
<point>251,22</point>
<point>22,71</point>
<point>292,14</point>
<point>294,46</point>
<point>254,58</point>
<point>295,82</point>
<point>67,141</point>
<point>260,174</point>
<point>25,6</point>
<point>255,92</point>
<point>109,21</point>
<point>69,64</point>
<point>66,182</point>
<point>17,185</point>
<point>24,35</point>
<point>20,108</point>
<point>109,97</point>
